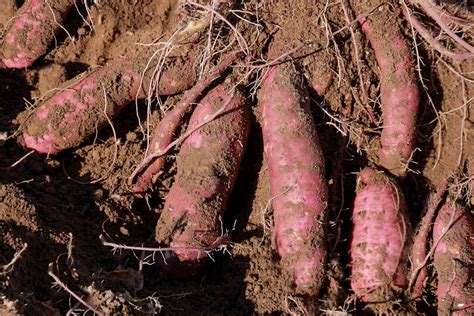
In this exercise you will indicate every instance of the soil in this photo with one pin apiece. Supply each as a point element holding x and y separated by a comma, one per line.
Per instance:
<point>53,209</point>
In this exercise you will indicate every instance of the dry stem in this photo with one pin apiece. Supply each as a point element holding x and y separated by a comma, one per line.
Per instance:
<point>430,10</point>
<point>9,266</point>
<point>423,31</point>
<point>242,42</point>
<point>221,243</point>
<point>59,283</point>
<point>365,98</point>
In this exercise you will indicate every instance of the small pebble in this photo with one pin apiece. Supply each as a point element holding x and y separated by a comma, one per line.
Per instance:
<point>124,231</point>
<point>99,194</point>
<point>131,136</point>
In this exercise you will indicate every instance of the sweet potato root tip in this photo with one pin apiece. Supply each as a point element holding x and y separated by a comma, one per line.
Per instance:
<point>318,69</point>
<point>398,90</point>
<point>297,178</point>
<point>32,31</point>
<point>379,237</point>
<point>207,165</point>
<point>454,259</point>
<point>74,114</point>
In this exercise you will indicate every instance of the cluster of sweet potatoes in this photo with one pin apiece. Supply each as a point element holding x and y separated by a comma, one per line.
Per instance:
<point>387,260</point>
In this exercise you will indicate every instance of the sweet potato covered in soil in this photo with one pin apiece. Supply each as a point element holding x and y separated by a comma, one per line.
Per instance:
<point>82,106</point>
<point>380,238</point>
<point>208,164</point>
<point>453,237</point>
<point>419,252</point>
<point>165,130</point>
<point>297,177</point>
<point>398,89</point>
<point>32,31</point>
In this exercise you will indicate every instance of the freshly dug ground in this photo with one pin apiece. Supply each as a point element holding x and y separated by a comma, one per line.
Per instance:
<point>52,210</point>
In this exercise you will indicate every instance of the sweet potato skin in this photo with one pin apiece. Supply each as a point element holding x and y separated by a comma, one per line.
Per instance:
<point>297,177</point>
<point>379,238</point>
<point>75,113</point>
<point>207,164</point>
<point>454,259</point>
<point>32,31</point>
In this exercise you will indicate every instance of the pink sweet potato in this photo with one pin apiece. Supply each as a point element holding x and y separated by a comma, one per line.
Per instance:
<point>379,238</point>
<point>419,251</point>
<point>398,90</point>
<point>470,172</point>
<point>297,177</point>
<point>453,237</point>
<point>207,163</point>
<point>32,31</point>
<point>164,132</point>
<point>73,114</point>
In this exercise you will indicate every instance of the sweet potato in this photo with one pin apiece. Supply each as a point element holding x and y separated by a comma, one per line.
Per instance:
<point>297,177</point>
<point>453,237</point>
<point>164,132</point>
<point>32,31</point>
<point>419,251</point>
<point>379,238</point>
<point>470,172</point>
<point>398,90</point>
<point>207,164</point>
<point>74,113</point>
